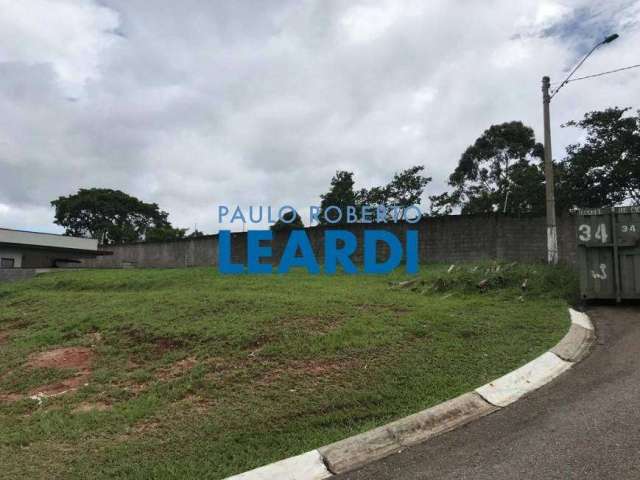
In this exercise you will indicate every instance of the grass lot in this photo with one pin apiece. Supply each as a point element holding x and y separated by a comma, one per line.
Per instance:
<point>190,374</point>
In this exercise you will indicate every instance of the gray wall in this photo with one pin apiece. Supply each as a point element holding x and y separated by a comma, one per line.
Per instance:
<point>15,274</point>
<point>455,238</point>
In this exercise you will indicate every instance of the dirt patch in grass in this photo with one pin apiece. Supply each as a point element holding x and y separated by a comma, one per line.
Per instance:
<point>309,368</point>
<point>159,344</point>
<point>4,338</point>
<point>316,325</point>
<point>74,358</point>
<point>195,404</point>
<point>94,337</point>
<point>64,386</point>
<point>86,407</point>
<point>10,397</point>
<point>177,369</point>
<point>70,357</point>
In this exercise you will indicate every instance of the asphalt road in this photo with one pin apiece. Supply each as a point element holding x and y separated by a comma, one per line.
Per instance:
<point>583,425</point>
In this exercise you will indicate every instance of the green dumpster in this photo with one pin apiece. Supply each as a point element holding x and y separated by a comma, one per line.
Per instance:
<point>609,252</point>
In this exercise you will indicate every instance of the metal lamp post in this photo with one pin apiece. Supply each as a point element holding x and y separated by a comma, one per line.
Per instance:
<point>547,95</point>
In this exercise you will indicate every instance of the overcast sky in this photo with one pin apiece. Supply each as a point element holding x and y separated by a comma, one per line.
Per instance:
<point>197,103</point>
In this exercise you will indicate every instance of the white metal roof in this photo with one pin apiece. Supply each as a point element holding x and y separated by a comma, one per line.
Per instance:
<point>46,240</point>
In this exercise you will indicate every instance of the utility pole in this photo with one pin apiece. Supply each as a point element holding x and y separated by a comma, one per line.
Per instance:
<point>552,230</point>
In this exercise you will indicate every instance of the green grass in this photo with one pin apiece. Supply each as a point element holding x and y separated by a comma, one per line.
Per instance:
<point>199,375</point>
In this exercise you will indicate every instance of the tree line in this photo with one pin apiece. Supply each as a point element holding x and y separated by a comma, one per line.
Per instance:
<point>501,172</point>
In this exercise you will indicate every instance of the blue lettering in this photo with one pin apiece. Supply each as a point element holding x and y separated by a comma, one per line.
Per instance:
<point>222,212</point>
<point>298,240</point>
<point>224,254</point>
<point>334,255</point>
<point>255,251</point>
<point>411,251</point>
<point>237,215</point>
<point>371,239</point>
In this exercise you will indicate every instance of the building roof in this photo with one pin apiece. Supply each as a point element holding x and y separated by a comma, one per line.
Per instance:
<point>18,238</point>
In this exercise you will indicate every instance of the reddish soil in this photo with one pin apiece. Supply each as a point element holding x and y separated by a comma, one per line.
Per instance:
<point>322,368</point>
<point>63,386</point>
<point>4,337</point>
<point>73,357</point>
<point>10,397</point>
<point>76,358</point>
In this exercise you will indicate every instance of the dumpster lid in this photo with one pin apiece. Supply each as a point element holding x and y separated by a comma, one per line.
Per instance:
<point>605,210</point>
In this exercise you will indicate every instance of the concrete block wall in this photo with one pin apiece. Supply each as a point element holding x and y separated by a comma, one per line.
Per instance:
<point>15,274</point>
<point>455,238</point>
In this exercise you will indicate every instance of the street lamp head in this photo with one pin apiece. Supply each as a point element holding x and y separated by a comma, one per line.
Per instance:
<point>610,38</point>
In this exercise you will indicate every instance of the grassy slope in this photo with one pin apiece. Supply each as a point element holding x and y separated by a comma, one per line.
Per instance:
<point>275,365</point>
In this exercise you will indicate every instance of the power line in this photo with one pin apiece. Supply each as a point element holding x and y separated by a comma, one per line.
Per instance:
<point>567,80</point>
<point>604,73</point>
<point>608,39</point>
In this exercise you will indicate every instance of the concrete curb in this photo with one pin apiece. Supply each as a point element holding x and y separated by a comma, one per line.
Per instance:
<point>356,451</point>
<point>514,385</point>
<point>308,466</point>
<point>576,344</point>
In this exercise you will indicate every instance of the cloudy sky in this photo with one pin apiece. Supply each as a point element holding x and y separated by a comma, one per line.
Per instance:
<point>197,103</point>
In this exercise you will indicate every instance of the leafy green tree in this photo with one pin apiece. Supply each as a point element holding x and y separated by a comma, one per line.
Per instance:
<point>604,169</point>
<point>405,189</point>
<point>112,217</point>
<point>500,172</point>
<point>341,195</point>
<point>289,221</point>
<point>164,234</point>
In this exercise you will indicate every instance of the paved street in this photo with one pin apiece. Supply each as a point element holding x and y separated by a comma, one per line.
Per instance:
<point>584,425</point>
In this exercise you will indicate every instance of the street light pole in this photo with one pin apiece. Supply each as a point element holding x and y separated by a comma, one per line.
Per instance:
<point>552,230</point>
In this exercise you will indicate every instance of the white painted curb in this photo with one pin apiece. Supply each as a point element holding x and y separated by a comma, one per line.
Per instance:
<point>580,319</point>
<point>308,466</point>
<point>506,390</point>
<point>499,393</point>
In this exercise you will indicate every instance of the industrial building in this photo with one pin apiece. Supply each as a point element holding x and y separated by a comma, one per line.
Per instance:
<point>30,250</point>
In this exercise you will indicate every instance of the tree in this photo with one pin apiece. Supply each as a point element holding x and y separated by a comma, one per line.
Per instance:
<point>605,168</point>
<point>501,171</point>
<point>340,195</point>
<point>289,221</point>
<point>196,233</point>
<point>404,190</point>
<point>112,217</point>
<point>164,233</point>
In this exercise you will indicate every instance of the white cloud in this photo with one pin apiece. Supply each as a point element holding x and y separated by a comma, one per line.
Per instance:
<point>364,23</point>
<point>68,34</point>
<point>548,13</point>
<point>196,103</point>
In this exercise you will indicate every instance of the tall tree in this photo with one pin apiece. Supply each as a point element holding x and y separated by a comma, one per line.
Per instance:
<point>112,217</point>
<point>605,168</point>
<point>500,172</point>
<point>405,189</point>
<point>340,195</point>
<point>289,221</point>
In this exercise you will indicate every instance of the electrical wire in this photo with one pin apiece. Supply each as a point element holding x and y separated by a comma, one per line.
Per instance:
<point>566,80</point>
<point>603,73</point>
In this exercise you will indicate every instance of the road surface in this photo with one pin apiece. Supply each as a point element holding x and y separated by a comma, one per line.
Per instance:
<point>584,425</point>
